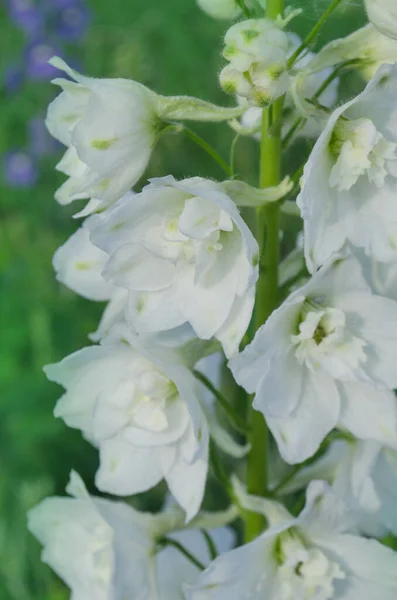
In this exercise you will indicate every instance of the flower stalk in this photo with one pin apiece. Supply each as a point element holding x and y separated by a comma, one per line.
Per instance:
<point>268,227</point>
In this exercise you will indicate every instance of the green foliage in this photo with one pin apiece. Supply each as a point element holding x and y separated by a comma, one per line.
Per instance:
<point>175,49</point>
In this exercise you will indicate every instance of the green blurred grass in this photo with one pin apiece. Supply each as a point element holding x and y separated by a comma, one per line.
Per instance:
<point>175,49</point>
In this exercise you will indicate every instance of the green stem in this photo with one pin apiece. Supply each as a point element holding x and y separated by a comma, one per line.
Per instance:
<point>245,10</point>
<point>313,33</point>
<point>208,148</point>
<point>210,544</point>
<point>299,122</point>
<point>235,419</point>
<point>166,541</point>
<point>221,475</point>
<point>233,155</point>
<point>268,226</point>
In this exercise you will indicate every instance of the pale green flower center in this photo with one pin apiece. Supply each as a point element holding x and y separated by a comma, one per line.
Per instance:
<point>358,148</point>
<point>305,572</point>
<point>324,340</point>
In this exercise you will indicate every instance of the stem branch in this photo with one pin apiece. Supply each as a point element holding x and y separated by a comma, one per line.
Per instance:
<point>166,541</point>
<point>208,148</point>
<point>236,420</point>
<point>313,33</point>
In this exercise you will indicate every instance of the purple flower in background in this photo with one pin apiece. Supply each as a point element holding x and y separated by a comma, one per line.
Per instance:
<point>27,16</point>
<point>40,141</point>
<point>13,78</point>
<point>37,57</point>
<point>19,169</point>
<point>61,4</point>
<point>73,21</point>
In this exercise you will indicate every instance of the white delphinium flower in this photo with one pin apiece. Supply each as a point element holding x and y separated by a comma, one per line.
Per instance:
<point>325,358</point>
<point>311,556</point>
<point>141,408</point>
<point>350,180</point>
<point>110,127</point>
<point>220,9</point>
<point>383,14</point>
<point>252,117</point>
<point>79,264</point>
<point>186,255</point>
<point>365,49</point>
<point>109,551</point>
<point>364,475</point>
<point>257,52</point>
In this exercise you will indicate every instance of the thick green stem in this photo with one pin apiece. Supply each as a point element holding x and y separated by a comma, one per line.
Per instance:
<point>268,226</point>
<point>267,286</point>
<point>266,299</point>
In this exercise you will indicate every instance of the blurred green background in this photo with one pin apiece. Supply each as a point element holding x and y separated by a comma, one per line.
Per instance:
<point>172,47</point>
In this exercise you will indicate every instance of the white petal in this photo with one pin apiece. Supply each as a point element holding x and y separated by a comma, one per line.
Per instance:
<point>79,264</point>
<point>155,311</point>
<point>369,413</point>
<point>117,128</point>
<point>366,559</point>
<point>248,571</point>
<point>300,434</point>
<point>66,110</point>
<point>86,375</point>
<point>385,481</point>
<point>361,589</point>
<point>126,469</point>
<point>134,268</point>
<point>112,315</point>
<point>235,326</point>
<point>186,481</point>
<point>278,395</point>
<point>271,339</point>
<point>325,513</point>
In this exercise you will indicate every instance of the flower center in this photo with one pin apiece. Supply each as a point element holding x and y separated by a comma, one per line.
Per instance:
<point>152,395</point>
<point>194,236</point>
<point>324,341</point>
<point>305,573</point>
<point>357,147</point>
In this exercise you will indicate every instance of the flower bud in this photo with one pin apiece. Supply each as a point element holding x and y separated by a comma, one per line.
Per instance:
<point>220,9</point>
<point>383,14</point>
<point>257,52</point>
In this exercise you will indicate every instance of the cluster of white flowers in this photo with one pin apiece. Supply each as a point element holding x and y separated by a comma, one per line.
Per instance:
<point>178,267</point>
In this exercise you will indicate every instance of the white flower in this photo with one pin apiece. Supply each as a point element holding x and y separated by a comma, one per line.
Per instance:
<point>220,9</point>
<point>350,180</point>
<point>364,475</point>
<point>311,556</point>
<point>257,53</point>
<point>252,117</point>
<point>368,48</point>
<point>325,358</point>
<point>186,255</point>
<point>79,264</point>
<point>383,14</point>
<point>109,551</point>
<point>110,127</point>
<point>143,412</point>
